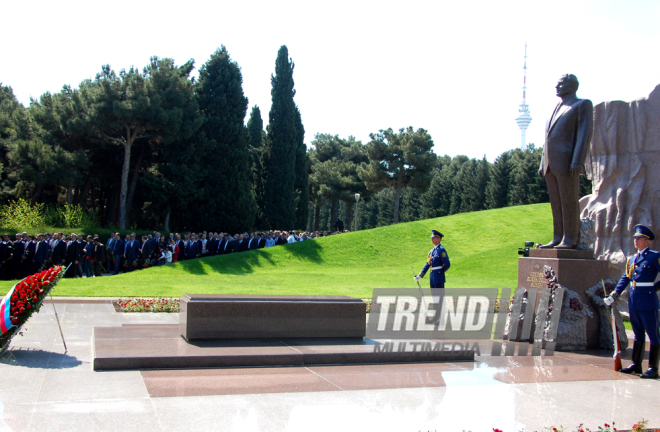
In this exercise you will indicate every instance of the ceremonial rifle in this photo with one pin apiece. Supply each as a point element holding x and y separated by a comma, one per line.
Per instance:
<point>615,335</point>
<point>421,294</point>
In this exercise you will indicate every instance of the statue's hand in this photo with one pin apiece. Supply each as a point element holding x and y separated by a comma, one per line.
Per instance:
<point>576,169</point>
<point>541,173</point>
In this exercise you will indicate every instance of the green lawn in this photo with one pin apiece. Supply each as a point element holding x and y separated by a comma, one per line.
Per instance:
<point>482,247</point>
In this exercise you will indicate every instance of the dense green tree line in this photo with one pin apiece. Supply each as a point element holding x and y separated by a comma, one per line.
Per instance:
<point>457,184</point>
<point>157,148</point>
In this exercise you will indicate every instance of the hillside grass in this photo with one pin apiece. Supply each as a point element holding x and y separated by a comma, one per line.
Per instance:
<point>482,247</point>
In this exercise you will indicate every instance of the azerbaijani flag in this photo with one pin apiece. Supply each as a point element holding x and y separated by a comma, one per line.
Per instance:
<point>5,312</point>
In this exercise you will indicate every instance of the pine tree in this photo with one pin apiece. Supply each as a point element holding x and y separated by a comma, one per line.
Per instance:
<point>228,203</point>
<point>301,183</point>
<point>334,175</point>
<point>482,175</point>
<point>518,179</point>
<point>497,190</point>
<point>399,160</point>
<point>279,155</point>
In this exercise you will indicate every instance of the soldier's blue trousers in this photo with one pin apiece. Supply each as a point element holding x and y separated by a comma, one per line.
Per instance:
<point>646,322</point>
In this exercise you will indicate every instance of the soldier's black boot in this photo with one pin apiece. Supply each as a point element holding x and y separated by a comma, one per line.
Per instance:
<point>637,357</point>
<point>652,372</point>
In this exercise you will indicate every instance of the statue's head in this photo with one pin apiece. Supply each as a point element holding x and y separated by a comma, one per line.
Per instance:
<point>567,84</point>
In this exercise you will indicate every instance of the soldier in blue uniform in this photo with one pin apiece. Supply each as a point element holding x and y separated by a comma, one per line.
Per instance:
<point>437,261</point>
<point>641,271</point>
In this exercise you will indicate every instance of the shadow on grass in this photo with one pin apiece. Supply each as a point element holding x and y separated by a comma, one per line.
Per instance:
<point>247,262</point>
<point>308,250</point>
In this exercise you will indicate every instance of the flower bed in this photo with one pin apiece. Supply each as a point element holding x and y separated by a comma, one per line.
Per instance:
<point>23,300</point>
<point>148,305</point>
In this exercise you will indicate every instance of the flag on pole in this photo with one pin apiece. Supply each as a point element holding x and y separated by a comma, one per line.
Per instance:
<point>5,312</point>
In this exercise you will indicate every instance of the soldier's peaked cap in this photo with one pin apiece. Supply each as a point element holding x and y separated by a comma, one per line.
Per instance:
<point>435,233</point>
<point>642,231</point>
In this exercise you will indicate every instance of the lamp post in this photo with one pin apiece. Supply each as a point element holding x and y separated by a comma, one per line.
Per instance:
<point>357,199</point>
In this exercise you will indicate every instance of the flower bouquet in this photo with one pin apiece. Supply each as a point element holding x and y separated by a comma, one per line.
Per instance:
<point>24,299</point>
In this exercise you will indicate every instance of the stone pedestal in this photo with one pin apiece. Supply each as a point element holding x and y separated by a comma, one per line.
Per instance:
<point>207,316</point>
<point>575,269</point>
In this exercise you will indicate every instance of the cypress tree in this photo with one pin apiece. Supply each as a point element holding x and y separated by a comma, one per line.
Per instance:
<point>301,183</point>
<point>279,155</point>
<point>255,126</point>
<point>257,138</point>
<point>227,203</point>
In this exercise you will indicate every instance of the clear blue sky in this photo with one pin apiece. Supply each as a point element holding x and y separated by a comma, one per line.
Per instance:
<point>453,68</point>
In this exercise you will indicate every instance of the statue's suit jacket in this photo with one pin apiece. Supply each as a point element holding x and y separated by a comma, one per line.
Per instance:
<point>567,136</point>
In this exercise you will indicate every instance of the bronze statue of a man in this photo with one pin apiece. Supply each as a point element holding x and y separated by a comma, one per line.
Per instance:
<point>567,139</point>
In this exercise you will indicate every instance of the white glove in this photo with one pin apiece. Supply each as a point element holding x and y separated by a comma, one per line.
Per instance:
<point>417,278</point>
<point>609,300</point>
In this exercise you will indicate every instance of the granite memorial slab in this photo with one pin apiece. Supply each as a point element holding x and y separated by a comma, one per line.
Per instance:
<point>220,316</point>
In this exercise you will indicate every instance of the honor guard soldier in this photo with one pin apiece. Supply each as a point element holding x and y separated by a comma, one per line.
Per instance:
<point>437,261</point>
<point>641,271</point>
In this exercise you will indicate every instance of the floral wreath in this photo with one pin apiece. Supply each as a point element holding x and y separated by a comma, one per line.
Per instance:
<point>23,300</point>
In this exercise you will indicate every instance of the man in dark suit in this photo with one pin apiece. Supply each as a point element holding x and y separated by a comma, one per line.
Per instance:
<point>253,242</point>
<point>109,262</point>
<point>193,248</point>
<point>89,257</point>
<point>28,256</point>
<point>212,245</point>
<point>567,140</point>
<point>242,243</point>
<point>73,254</point>
<point>221,245</point>
<point>280,240</point>
<point>41,253</point>
<point>182,248</point>
<point>131,251</point>
<point>235,242</point>
<point>262,240</point>
<point>59,249</point>
<point>116,253</point>
<point>145,252</point>
<point>156,241</point>
<point>5,253</point>
<point>225,247</point>
<point>18,248</point>
<point>99,251</point>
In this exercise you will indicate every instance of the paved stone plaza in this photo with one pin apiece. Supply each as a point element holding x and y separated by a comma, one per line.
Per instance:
<point>42,389</point>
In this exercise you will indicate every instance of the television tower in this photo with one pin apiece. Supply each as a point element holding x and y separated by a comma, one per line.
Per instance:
<point>524,119</point>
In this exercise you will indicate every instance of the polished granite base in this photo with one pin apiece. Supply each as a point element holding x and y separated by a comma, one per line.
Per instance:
<point>161,347</point>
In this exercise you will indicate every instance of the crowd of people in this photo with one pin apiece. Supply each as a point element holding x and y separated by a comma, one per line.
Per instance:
<point>90,257</point>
